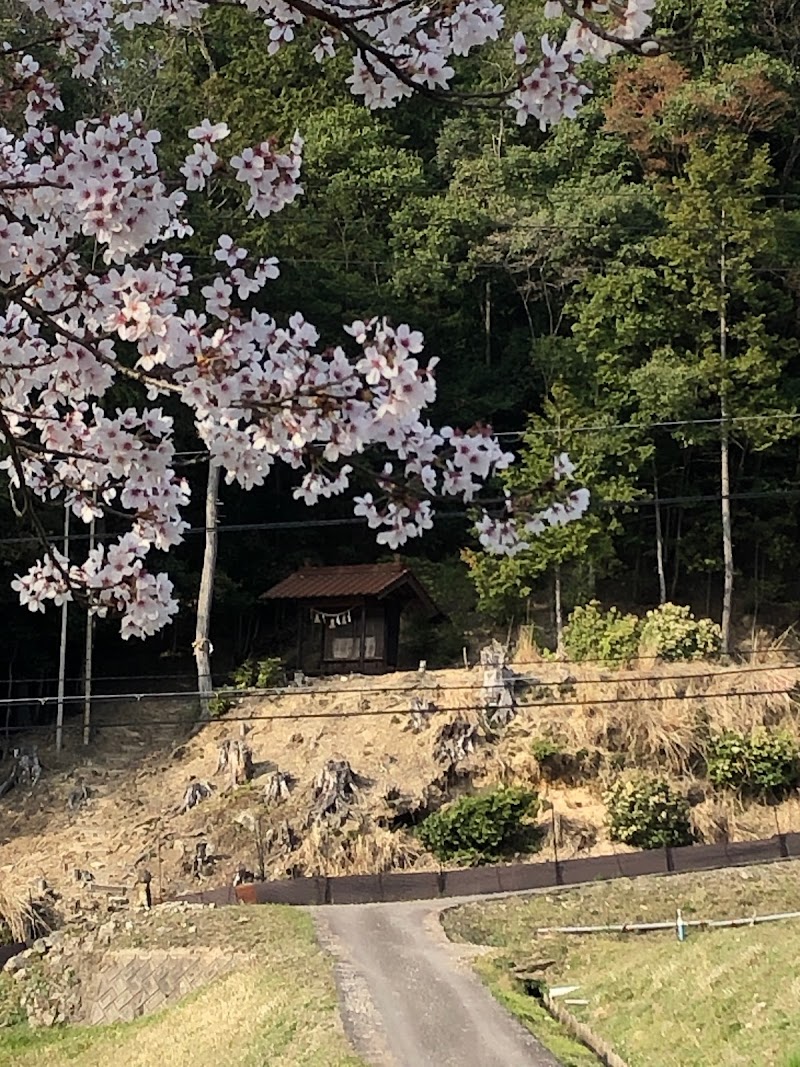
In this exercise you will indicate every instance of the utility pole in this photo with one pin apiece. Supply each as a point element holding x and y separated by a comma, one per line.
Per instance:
<point>724,453</point>
<point>62,654</point>
<point>87,684</point>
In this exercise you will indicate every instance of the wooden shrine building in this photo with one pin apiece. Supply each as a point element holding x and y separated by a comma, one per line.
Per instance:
<point>349,617</point>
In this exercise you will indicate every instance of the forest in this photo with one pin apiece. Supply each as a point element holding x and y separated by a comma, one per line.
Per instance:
<point>622,287</point>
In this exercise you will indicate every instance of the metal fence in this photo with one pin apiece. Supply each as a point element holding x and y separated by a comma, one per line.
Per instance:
<point>481,881</point>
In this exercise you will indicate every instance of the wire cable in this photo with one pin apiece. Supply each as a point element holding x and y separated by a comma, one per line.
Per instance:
<point>381,712</point>
<point>411,687</point>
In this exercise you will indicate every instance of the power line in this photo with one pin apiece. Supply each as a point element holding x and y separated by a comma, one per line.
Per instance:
<point>280,691</point>
<point>730,421</point>
<point>382,712</point>
<point>539,662</point>
<point>416,686</point>
<point>561,431</point>
<point>303,524</point>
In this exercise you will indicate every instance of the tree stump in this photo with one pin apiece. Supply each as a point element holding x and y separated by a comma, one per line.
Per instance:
<point>497,695</point>
<point>335,791</point>
<point>421,711</point>
<point>455,741</point>
<point>78,797</point>
<point>281,839</point>
<point>25,770</point>
<point>278,786</point>
<point>195,792</point>
<point>141,896</point>
<point>203,859</point>
<point>236,757</point>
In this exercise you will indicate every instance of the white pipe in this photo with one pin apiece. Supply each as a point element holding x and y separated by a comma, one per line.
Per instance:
<point>625,928</point>
<point>62,652</point>
<point>87,690</point>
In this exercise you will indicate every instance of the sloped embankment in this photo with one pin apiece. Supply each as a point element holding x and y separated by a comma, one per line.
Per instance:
<point>404,763</point>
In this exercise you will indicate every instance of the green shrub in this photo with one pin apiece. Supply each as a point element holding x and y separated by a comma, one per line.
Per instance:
<point>646,813</point>
<point>607,636</point>
<point>671,632</point>
<point>483,827</point>
<point>258,673</point>
<point>219,705</point>
<point>763,763</point>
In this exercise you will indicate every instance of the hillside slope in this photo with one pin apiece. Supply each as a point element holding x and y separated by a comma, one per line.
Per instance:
<point>144,756</point>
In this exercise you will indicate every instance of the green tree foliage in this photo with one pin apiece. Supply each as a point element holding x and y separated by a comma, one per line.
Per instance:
<point>569,281</point>
<point>671,632</point>
<point>609,637</point>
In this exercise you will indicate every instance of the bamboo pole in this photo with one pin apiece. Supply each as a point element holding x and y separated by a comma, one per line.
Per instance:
<point>708,924</point>
<point>62,651</point>
<point>87,685</point>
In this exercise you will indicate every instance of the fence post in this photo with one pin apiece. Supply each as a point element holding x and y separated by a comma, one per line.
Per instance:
<point>783,846</point>
<point>670,863</point>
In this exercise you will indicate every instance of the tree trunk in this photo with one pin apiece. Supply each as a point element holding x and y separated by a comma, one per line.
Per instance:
<point>205,598</point>
<point>662,578</point>
<point>724,458</point>
<point>558,610</point>
<point>756,601</point>
<point>9,705</point>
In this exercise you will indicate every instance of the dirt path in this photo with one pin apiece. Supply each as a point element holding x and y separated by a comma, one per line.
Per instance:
<point>410,998</point>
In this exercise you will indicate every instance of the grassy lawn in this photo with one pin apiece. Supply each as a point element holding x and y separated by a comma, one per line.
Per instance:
<point>726,997</point>
<point>281,1009</point>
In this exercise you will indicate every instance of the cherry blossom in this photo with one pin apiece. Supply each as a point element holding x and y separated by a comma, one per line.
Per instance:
<point>90,298</point>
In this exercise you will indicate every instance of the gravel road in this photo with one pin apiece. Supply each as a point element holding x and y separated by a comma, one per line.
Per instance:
<point>410,998</point>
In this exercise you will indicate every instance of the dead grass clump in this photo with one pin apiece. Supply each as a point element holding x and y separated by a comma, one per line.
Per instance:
<point>526,649</point>
<point>568,835</point>
<point>23,916</point>
<point>354,848</point>
<point>662,721</point>
<point>509,766</point>
<point>657,735</point>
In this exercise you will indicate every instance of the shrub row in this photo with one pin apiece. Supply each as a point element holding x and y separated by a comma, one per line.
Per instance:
<point>670,632</point>
<point>644,811</point>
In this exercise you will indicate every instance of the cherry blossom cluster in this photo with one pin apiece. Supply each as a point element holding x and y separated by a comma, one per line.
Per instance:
<point>552,90</point>
<point>115,581</point>
<point>505,535</point>
<point>397,48</point>
<point>89,297</point>
<point>622,20</point>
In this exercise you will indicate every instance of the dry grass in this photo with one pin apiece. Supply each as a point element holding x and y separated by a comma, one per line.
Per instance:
<point>23,916</point>
<point>661,720</point>
<point>280,1009</point>
<point>358,847</point>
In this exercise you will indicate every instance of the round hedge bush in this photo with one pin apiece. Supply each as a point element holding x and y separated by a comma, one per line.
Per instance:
<point>483,827</point>
<point>645,812</point>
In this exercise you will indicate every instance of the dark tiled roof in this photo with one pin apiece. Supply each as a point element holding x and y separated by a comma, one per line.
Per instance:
<point>361,580</point>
